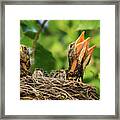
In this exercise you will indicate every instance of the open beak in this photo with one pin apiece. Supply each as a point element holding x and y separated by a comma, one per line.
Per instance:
<point>82,45</point>
<point>91,49</point>
<point>80,38</point>
<point>88,57</point>
<point>78,47</point>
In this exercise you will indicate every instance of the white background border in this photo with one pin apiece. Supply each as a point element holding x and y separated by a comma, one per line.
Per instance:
<point>106,15</point>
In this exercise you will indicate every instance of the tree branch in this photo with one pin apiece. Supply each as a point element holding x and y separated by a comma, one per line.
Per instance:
<point>36,39</point>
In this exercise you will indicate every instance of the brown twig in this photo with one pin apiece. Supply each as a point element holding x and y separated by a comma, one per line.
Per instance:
<point>36,38</point>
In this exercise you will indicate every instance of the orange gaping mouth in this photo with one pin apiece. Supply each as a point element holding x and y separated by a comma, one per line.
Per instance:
<point>82,50</point>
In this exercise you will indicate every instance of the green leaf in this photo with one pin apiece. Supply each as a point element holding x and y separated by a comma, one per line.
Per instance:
<point>29,27</point>
<point>30,24</point>
<point>56,45</point>
<point>30,34</point>
<point>26,41</point>
<point>96,40</point>
<point>96,53</point>
<point>88,75</point>
<point>44,59</point>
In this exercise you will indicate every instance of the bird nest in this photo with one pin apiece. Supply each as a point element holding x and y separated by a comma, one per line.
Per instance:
<point>47,88</point>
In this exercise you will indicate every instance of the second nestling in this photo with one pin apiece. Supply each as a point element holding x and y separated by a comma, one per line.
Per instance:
<point>79,55</point>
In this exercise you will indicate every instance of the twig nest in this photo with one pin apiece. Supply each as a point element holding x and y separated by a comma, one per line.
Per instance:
<point>47,88</point>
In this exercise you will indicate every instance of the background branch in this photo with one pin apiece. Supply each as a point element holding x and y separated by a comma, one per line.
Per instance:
<point>36,39</point>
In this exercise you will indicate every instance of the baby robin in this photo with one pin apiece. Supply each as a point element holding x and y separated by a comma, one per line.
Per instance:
<point>79,55</point>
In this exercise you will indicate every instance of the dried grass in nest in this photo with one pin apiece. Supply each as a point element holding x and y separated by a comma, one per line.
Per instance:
<point>46,88</point>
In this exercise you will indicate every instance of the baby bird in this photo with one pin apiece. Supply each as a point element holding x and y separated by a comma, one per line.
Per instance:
<point>24,61</point>
<point>79,55</point>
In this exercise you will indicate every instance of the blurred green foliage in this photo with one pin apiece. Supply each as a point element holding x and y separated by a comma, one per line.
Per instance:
<point>53,42</point>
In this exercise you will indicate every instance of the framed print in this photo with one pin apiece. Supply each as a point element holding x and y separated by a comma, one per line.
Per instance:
<point>60,60</point>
